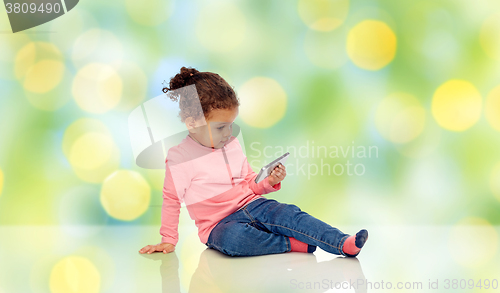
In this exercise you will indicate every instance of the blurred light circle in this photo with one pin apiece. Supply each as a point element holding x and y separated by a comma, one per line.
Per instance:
<point>99,174</point>
<point>43,76</point>
<point>91,150</point>
<point>424,144</point>
<point>1,181</point>
<point>400,118</point>
<point>492,108</point>
<point>149,12</point>
<point>456,105</point>
<point>495,181</point>
<point>323,15</point>
<point>260,91</point>
<point>40,69</point>
<point>97,88</point>
<point>440,46</point>
<point>75,274</point>
<point>489,36</point>
<point>80,19</point>
<point>33,53</point>
<point>326,49</point>
<point>53,99</point>
<point>221,26</point>
<point>74,140</point>
<point>79,128</point>
<point>125,195</point>
<point>103,259</point>
<point>371,44</point>
<point>472,242</point>
<point>10,46</point>
<point>135,83</point>
<point>97,46</point>
<point>430,31</point>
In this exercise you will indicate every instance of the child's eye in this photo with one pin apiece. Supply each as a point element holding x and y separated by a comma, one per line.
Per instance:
<point>220,128</point>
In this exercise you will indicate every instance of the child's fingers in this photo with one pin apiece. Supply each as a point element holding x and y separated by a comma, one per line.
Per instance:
<point>280,168</point>
<point>145,249</point>
<point>279,173</point>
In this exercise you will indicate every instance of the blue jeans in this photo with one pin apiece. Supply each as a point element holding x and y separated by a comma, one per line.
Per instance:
<point>264,225</point>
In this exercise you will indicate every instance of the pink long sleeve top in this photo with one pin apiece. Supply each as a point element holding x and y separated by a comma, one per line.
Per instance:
<point>213,183</point>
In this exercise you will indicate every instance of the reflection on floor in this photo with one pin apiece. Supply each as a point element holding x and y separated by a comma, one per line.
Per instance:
<point>270,273</point>
<point>106,259</point>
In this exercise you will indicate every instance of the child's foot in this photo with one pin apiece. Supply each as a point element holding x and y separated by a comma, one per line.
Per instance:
<point>353,244</point>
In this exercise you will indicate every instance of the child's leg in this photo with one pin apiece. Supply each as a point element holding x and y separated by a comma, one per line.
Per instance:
<point>289,220</point>
<point>237,235</point>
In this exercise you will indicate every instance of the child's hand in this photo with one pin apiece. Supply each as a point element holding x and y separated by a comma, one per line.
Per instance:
<point>277,175</point>
<point>165,247</point>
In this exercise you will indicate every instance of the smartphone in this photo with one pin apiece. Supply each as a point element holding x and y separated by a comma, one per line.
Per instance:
<point>267,169</point>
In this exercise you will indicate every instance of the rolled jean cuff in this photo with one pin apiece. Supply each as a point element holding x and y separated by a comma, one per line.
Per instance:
<point>342,241</point>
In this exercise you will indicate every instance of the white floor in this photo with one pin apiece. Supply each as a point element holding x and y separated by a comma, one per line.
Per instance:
<point>106,259</point>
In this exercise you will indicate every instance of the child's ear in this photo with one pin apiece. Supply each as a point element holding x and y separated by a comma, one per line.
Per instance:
<point>190,124</point>
<point>193,125</point>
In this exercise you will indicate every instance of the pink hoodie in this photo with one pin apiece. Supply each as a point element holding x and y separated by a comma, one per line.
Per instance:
<point>213,183</point>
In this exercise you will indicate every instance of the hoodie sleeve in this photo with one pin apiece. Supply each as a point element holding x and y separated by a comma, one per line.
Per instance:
<point>174,187</point>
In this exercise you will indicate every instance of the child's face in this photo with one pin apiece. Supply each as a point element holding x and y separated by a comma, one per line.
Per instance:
<point>220,129</point>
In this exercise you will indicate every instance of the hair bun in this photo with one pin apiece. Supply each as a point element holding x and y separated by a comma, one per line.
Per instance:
<point>185,75</point>
<point>181,79</point>
<point>188,72</point>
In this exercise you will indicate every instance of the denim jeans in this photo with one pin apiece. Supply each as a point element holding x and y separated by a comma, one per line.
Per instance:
<point>264,225</point>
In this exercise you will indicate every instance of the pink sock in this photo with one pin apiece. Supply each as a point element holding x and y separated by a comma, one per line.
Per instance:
<point>350,246</point>
<point>297,245</point>
<point>354,243</point>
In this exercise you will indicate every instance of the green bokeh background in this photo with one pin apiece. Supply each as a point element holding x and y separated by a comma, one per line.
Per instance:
<point>445,180</point>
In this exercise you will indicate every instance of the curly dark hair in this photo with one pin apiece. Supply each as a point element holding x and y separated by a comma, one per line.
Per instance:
<point>213,93</point>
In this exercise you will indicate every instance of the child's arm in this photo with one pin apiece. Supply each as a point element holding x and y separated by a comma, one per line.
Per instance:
<point>169,214</point>
<point>173,189</point>
<point>170,211</point>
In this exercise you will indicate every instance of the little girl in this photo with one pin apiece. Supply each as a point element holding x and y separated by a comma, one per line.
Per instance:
<point>210,174</point>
